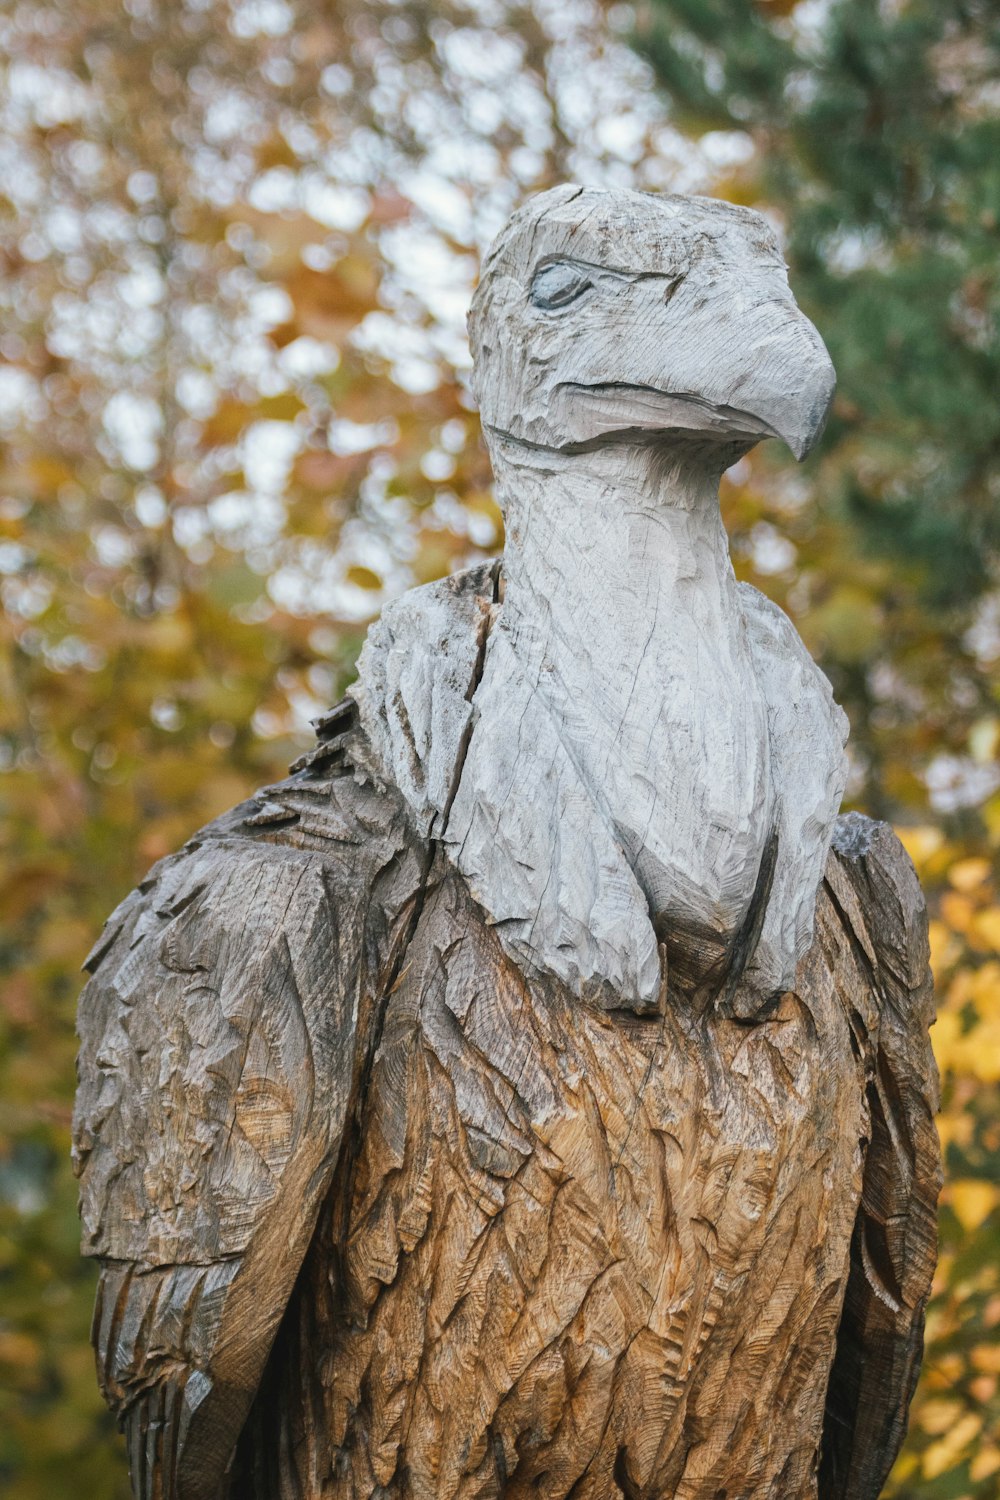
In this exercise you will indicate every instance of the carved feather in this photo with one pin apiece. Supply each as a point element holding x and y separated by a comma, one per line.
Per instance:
<point>894,1249</point>
<point>222,1035</point>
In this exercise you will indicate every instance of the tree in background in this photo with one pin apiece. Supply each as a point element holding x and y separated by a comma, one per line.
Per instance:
<point>871,132</point>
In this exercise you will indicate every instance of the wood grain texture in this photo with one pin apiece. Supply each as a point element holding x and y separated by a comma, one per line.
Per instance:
<point>880,1341</point>
<point>587,1254</point>
<point>222,1046</point>
<point>532,1094</point>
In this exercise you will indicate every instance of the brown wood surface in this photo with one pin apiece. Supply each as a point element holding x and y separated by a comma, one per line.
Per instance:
<point>515,1244</point>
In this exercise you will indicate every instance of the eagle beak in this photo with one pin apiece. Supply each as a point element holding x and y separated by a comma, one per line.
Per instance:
<point>788,379</point>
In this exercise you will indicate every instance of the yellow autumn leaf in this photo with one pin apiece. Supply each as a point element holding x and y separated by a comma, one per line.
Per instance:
<point>983,738</point>
<point>942,1454</point>
<point>956,1129</point>
<point>939,1416</point>
<point>980,1052</point>
<point>967,874</point>
<point>984,1463</point>
<point>18,1349</point>
<point>982,1388</point>
<point>972,1199</point>
<point>960,989</point>
<point>920,843</point>
<point>945,948</point>
<point>984,990</point>
<point>958,911</point>
<point>986,1357</point>
<point>986,925</point>
<point>948,1042</point>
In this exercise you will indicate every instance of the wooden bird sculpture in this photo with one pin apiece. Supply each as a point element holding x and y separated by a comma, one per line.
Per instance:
<point>532,1094</point>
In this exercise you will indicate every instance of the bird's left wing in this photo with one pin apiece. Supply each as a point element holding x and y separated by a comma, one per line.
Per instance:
<point>880,1340</point>
<point>222,1033</point>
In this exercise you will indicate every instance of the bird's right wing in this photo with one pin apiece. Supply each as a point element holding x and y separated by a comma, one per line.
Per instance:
<point>880,1340</point>
<point>231,1005</point>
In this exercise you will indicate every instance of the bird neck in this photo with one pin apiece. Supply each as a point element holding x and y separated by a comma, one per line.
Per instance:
<point>621,549</point>
<point>622,611</point>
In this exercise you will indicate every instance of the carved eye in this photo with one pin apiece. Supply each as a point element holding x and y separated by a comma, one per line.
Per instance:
<point>557,285</point>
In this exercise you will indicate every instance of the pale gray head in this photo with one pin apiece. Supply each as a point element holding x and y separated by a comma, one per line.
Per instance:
<point>621,316</point>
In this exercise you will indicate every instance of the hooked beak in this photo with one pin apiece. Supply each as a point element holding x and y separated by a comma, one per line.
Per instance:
<point>789,379</point>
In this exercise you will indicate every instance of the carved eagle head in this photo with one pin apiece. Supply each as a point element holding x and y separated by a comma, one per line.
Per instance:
<point>624,316</point>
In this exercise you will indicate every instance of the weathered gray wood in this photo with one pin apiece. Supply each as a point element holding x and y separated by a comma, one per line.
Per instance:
<point>666,721</point>
<point>524,1098</point>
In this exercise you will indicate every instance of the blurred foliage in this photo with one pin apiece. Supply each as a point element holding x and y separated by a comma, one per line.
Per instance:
<point>238,238</point>
<point>871,133</point>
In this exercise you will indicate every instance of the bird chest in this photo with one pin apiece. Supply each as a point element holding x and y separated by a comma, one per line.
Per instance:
<point>588,1252</point>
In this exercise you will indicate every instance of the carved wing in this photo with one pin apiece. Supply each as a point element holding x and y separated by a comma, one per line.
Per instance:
<point>880,1340</point>
<point>222,1034</point>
